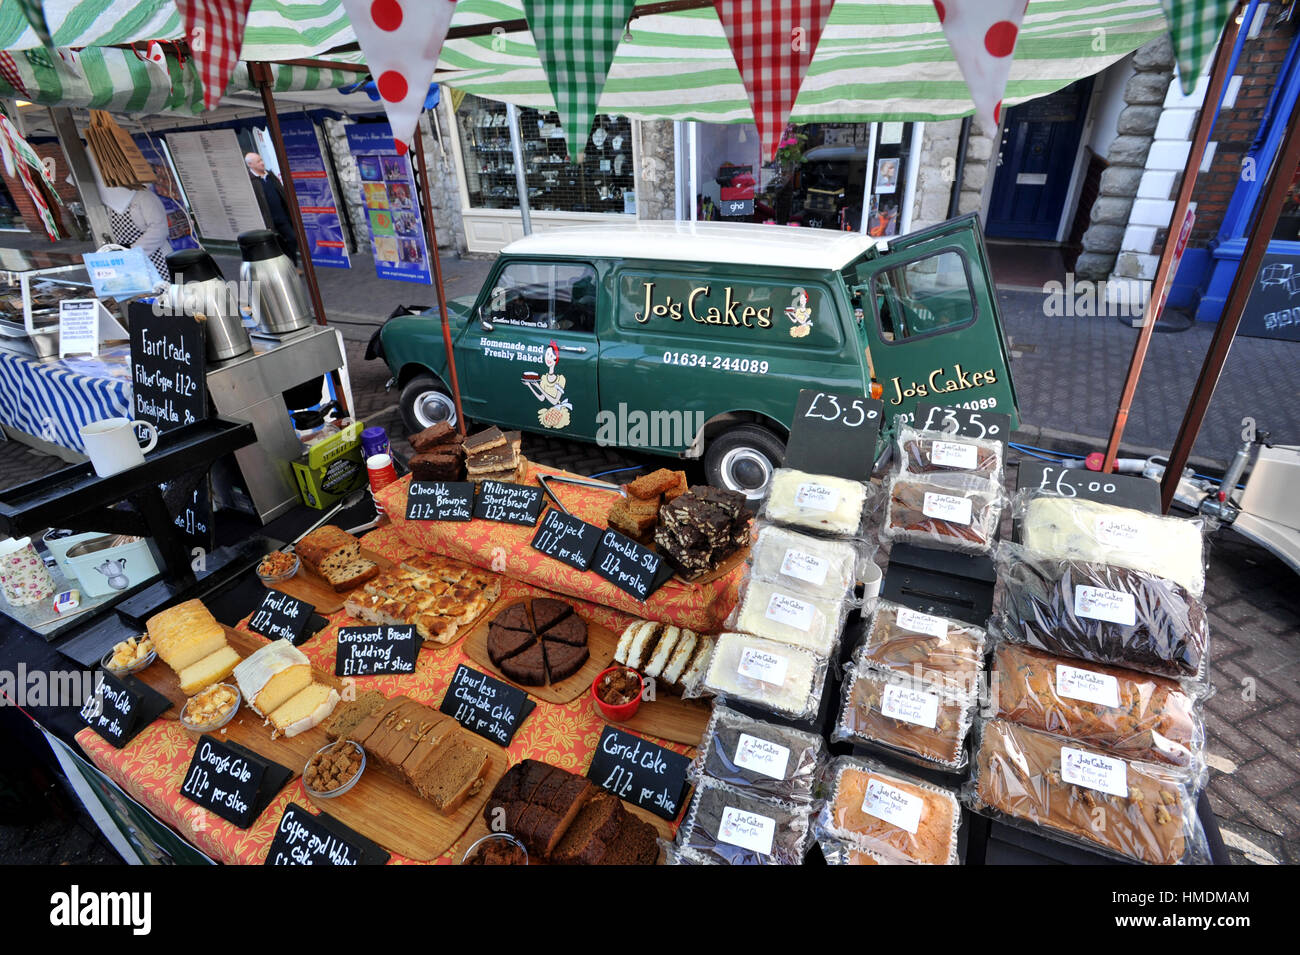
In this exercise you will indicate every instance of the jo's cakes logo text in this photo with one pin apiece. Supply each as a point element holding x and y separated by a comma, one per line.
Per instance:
<point>75,908</point>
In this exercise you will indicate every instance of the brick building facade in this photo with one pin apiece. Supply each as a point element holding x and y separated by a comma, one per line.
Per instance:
<point>63,185</point>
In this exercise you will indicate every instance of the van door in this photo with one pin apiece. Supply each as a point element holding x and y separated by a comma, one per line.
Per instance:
<point>931,326</point>
<point>529,353</point>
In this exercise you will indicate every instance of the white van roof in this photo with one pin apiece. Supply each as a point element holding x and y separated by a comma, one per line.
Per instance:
<point>738,243</point>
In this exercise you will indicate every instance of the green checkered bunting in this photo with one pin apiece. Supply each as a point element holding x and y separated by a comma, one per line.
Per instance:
<point>576,40</point>
<point>1194,29</point>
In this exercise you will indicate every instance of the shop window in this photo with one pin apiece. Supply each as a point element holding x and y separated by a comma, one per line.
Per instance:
<point>602,182</point>
<point>924,296</point>
<point>1288,220</point>
<point>557,296</point>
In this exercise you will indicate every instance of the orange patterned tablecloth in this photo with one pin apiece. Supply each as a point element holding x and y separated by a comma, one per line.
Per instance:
<point>506,548</point>
<point>152,767</point>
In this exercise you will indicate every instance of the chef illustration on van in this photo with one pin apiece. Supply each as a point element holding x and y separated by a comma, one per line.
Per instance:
<point>549,388</point>
<point>800,314</point>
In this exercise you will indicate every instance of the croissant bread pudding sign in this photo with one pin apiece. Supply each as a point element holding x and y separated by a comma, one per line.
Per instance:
<point>401,40</point>
<point>982,34</point>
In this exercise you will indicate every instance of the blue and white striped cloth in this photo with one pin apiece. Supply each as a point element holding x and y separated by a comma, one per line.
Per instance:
<point>54,401</point>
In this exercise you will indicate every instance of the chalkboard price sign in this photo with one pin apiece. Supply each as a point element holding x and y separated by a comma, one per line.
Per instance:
<point>627,565</point>
<point>227,779</point>
<point>1122,490</point>
<point>281,617</point>
<point>639,771</point>
<point>169,381</point>
<point>486,706</point>
<point>304,839</point>
<point>964,422</point>
<point>508,503</point>
<point>567,539</point>
<point>834,433</point>
<point>440,501</point>
<point>369,651</point>
<point>112,710</point>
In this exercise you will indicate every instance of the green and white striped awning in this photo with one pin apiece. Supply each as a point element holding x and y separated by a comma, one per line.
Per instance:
<point>877,60</point>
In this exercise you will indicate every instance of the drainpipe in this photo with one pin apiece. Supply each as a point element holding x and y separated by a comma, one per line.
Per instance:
<point>954,199</point>
<point>521,174</point>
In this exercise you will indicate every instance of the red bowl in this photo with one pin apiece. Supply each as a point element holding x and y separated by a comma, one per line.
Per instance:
<point>623,711</point>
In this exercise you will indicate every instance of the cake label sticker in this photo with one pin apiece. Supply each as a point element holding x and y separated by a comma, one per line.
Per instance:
<point>762,756</point>
<point>1087,685</point>
<point>1118,531</point>
<point>916,622</point>
<point>951,454</point>
<point>911,706</point>
<point>762,666</point>
<point>947,507</point>
<point>893,805</point>
<point>748,830</point>
<point>817,497</point>
<point>1098,603</point>
<point>786,610</point>
<point>804,566</point>
<point>1102,773</point>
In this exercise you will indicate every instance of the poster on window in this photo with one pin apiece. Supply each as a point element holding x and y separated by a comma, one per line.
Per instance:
<point>887,176</point>
<point>320,213</point>
<point>180,232</point>
<point>388,192</point>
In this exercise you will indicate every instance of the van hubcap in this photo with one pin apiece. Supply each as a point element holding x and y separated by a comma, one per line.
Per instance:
<point>747,471</point>
<point>433,407</point>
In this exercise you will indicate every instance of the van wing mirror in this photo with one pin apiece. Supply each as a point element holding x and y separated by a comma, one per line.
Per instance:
<point>483,320</point>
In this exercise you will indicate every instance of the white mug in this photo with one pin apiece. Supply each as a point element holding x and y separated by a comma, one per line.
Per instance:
<point>113,446</point>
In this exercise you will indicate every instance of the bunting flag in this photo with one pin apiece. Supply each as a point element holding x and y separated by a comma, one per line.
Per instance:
<point>157,58</point>
<point>982,34</point>
<point>400,41</point>
<point>10,74</point>
<point>34,11</point>
<point>576,41</point>
<point>773,42</point>
<point>71,61</point>
<point>1194,30</point>
<point>214,30</point>
<point>20,159</point>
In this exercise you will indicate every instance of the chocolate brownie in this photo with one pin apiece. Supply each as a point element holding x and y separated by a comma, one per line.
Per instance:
<point>434,435</point>
<point>527,668</point>
<point>563,660</point>
<point>503,644</point>
<point>547,612</point>
<point>571,630</point>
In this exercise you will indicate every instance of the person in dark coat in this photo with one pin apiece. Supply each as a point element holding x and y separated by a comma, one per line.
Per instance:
<point>274,203</point>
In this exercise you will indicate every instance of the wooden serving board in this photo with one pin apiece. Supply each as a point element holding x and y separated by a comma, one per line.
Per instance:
<point>307,585</point>
<point>479,828</point>
<point>394,815</point>
<point>666,717</point>
<point>601,644</point>
<point>247,728</point>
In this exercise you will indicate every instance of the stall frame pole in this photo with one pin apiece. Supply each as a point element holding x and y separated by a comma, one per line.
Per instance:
<point>261,75</point>
<point>1261,233</point>
<point>431,236</point>
<point>521,172</point>
<point>1164,270</point>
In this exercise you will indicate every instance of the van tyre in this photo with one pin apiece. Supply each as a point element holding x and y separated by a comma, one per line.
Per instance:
<point>743,459</point>
<point>425,401</point>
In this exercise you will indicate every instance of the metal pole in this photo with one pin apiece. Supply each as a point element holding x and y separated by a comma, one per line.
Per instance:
<point>1260,233</point>
<point>868,178</point>
<point>261,74</point>
<point>431,236</point>
<point>74,151</point>
<point>521,175</point>
<point>1164,271</point>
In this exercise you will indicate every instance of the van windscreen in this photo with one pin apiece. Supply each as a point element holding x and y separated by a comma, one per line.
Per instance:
<point>925,296</point>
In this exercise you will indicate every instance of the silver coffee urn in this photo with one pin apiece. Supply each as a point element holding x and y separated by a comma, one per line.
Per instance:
<point>198,288</point>
<point>277,295</point>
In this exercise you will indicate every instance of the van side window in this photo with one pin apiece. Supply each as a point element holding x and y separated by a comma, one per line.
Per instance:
<point>924,296</point>
<point>545,295</point>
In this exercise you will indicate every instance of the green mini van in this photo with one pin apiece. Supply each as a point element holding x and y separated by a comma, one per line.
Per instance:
<point>694,339</point>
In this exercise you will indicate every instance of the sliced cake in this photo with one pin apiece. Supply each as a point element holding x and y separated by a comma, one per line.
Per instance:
<point>663,651</point>
<point>548,612</point>
<point>503,643</point>
<point>454,776</point>
<point>527,668</point>
<point>272,675</point>
<point>571,630</point>
<point>305,709</point>
<point>213,668</point>
<point>563,659</point>
<point>513,618</point>
<point>346,718</point>
<point>587,839</point>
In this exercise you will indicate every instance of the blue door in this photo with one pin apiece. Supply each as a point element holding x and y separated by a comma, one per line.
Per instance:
<point>1040,141</point>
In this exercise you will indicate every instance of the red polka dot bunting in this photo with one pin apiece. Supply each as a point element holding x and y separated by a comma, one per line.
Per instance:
<point>400,41</point>
<point>982,35</point>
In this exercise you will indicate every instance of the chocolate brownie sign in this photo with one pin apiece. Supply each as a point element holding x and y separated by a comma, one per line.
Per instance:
<point>440,501</point>
<point>486,706</point>
<point>640,772</point>
<point>630,567</point>
<point>567,539</point>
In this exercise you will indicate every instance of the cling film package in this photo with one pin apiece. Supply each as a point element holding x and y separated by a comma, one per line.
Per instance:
<point>842,852</point>
<point>1105,613</point>
<point>1144,812</point>
<point>775,612</point>
<point>896,817</point>
<point>730,827</point>
<point>805,564</point>
<point>905,716</point>
<point>937,650</point>
<point>819,503</point>
<point>936,452</point>
<point>956,512</point>
<point>776,676</point>
<point>763,759</point>
<point>1070,528</point>
<point>1126,713</point>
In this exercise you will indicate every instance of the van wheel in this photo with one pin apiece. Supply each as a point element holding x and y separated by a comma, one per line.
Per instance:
<point>743,459</point>
<point>425,402</point>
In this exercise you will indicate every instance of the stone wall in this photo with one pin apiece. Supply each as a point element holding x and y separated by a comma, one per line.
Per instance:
<point>938,166</point>
<point>1127,158</point>
<point>656,187</point>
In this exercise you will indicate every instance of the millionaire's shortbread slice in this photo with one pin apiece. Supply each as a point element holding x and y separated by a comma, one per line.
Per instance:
<point>484,441</point>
